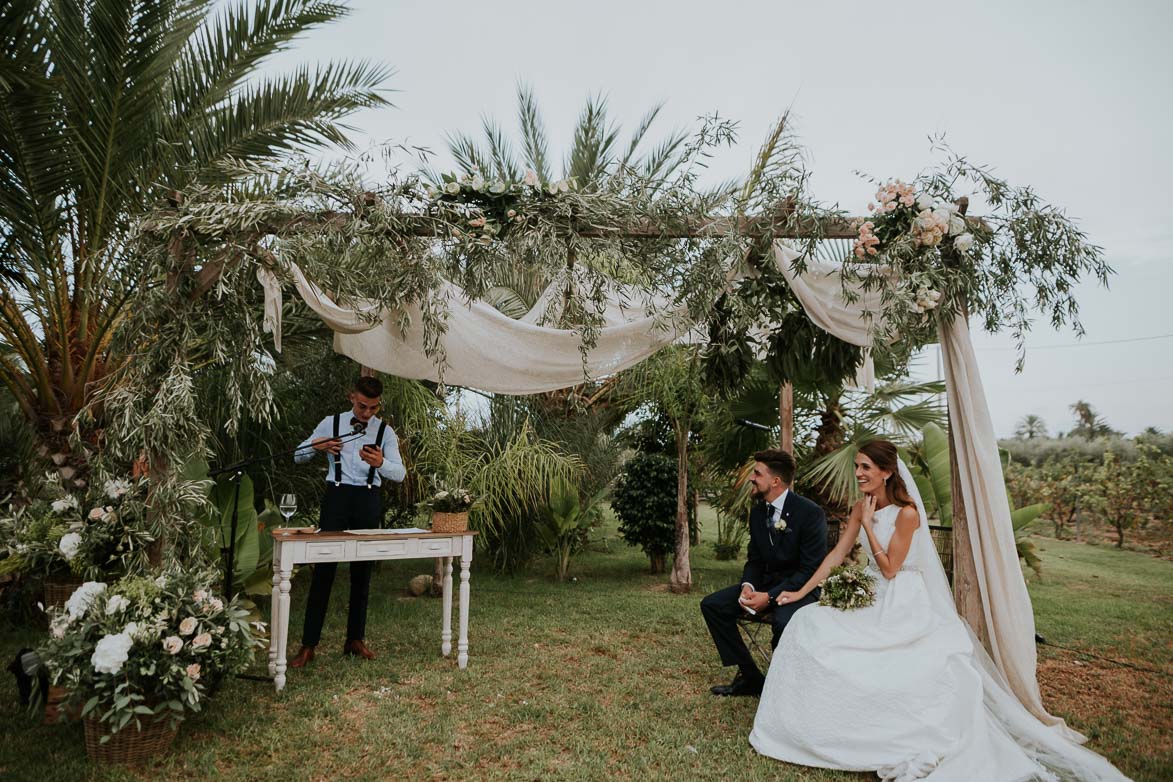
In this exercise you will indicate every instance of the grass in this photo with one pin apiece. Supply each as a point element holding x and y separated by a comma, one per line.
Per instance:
<point>603,678</point>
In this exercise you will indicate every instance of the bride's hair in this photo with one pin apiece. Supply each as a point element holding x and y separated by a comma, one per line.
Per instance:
<point>884,455</point>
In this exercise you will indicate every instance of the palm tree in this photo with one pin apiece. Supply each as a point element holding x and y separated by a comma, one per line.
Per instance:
<point>1030,427</point>
<point>1088,423</point>
<point>111,106</point>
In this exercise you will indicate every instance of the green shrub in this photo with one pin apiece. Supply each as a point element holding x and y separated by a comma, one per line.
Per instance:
<point>644,500</point>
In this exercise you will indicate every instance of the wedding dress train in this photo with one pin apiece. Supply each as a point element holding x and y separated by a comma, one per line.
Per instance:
<point>902,688</point>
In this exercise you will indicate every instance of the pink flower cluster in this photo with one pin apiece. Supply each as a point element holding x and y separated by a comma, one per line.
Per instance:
<point>893,195</point>
<point>867,242</point>
<point>930,227</point>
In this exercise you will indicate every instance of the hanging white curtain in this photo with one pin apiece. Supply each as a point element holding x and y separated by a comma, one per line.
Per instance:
<point>1009,617</point>
<point>486,349</point>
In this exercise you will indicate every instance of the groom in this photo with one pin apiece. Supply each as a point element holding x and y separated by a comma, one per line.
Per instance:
<point>787,543</point>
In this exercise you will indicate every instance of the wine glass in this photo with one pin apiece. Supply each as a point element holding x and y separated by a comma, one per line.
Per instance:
<point>288,506</point>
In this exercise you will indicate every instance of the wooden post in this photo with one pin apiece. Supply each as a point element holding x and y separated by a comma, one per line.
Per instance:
<point>786,417</point>
<point>967,594</point>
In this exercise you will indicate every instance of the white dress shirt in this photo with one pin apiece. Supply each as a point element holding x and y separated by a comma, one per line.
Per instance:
<point>773,515</point>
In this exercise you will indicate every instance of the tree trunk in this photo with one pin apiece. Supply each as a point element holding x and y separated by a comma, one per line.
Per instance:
<point>657,563</point>
<point>786,417</point>
<point>967,594</point>
<point>681,578</point>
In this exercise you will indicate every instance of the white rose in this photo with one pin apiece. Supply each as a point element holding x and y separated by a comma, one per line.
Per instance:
<point>924,201</point>
<point>81,599</point>
<point>115,604</point>
<point>200,595</point>
<point>956,224</point>
<point>62,505</point>
<point>193,672</point>
<point>69,544</point>
<point>117,488</point>
<point>563,186</point>
<point>172,644</point>
<point>497,188</point>
<point>963,243</point>
<point>187,626</point>
<point>96,514</point>
<point>478,182</point>
<point>217,604</point>
<point>452,188</point>
<point>201,641</point>
<point>531,178</point>
<point>111,652</point>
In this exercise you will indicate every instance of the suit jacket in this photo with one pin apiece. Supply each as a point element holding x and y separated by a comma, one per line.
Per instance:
<point>783,560</point>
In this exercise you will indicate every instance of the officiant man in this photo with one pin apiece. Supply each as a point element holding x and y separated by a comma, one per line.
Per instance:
<point>361,452</point>
<point>787,543</point>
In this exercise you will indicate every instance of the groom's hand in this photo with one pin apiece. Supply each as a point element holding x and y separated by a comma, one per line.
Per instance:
<point>758,601</point>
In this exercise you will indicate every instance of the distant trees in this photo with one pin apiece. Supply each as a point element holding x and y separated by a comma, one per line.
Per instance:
<point>1031,427</point>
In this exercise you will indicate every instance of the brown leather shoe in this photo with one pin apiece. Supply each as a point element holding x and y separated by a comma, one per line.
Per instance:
<point>358,649</point>
<point>304,655</point>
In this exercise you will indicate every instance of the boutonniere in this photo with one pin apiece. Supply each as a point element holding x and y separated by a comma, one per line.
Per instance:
<point>780,524</point>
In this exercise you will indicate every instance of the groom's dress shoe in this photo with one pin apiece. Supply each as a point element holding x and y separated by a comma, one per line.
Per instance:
<point>304,655</point>
<point>358,649</point>
<point>740,686</point>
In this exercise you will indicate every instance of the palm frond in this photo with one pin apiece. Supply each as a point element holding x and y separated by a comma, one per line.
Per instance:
<point>591,155</point>
<point>504,166</point>
<point>533,133</point>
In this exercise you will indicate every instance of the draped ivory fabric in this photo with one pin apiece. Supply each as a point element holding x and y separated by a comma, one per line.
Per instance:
<point>486,349</point>
<point>1009,616</point>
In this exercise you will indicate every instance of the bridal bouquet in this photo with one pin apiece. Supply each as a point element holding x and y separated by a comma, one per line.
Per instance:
<point>848,587</point>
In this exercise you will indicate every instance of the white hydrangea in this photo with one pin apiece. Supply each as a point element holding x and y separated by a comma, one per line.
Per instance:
<point>69,545</point>
<point>69,502</point>
<point>116,604</point>
<point>111,653</point>
<point>116,488</point>
<point>83,597</point>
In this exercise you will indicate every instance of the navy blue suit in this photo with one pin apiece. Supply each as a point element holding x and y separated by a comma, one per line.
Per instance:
<point>777,561</point>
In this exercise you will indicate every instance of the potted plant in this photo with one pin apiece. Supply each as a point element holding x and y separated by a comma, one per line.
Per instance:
<point>138,655</point>
<point>64,540</point>
<point>449,507</point>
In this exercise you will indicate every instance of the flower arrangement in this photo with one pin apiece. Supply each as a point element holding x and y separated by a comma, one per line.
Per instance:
<point>450,500</point>
<point>848,587</point>
<point>913,226</point>
<point>495,205</point>
<point>145,648</point>
<point>57,536</point>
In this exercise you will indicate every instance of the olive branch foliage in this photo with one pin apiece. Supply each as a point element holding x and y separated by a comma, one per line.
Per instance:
<point>384,245</point>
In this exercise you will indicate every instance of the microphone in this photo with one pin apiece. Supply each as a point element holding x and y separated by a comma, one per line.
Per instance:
<point>751,424</point>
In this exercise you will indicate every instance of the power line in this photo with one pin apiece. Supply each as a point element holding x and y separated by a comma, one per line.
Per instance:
<point>1085,344</point>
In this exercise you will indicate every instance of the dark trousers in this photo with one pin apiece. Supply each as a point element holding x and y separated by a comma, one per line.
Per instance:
<point>721,612</point>
<point>343,507</point>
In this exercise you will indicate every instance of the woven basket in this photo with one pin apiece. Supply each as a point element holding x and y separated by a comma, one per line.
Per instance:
<point>128,746</point>
<point>448,523</point>
<point>54,709</point>
<point>57,592</point>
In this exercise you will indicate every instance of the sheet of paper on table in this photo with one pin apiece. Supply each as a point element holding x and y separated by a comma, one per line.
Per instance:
<point>403,531</point>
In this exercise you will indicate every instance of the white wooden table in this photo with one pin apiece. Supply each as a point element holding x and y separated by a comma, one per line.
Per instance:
<point>300,548</point>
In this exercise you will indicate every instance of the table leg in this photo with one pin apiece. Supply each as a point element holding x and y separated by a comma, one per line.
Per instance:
<point>274,616</point>
<point>282,630</point>
<point>462,641</point>
<point>446,626</point>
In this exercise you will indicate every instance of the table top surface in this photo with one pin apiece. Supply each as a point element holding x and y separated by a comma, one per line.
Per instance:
<point>282,534</point>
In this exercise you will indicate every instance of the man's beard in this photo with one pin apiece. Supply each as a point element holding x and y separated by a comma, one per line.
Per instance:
<point>756,493</point>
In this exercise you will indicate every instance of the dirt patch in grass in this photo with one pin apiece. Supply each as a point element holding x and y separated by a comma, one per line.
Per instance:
<point>1101,693</point>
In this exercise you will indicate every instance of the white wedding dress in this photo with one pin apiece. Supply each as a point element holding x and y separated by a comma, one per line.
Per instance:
<point>901,688</point>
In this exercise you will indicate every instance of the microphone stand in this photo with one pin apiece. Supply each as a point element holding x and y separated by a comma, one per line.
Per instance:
<point>236,471</point>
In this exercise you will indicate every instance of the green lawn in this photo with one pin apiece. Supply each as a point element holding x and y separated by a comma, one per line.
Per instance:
<point>603,678</point>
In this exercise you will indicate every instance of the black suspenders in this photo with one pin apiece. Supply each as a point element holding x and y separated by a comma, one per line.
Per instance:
<point>379,444</point>
<point>337,457</point>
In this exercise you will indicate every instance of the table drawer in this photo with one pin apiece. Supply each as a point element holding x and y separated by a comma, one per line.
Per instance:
<point>442,547</point>
<point>330,551</point>
<point>385,548</point>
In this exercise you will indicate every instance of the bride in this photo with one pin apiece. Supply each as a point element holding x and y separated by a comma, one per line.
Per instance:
<point>901,687</point>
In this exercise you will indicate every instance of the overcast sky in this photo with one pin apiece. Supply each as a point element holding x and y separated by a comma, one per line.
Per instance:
<point>1069,97</point>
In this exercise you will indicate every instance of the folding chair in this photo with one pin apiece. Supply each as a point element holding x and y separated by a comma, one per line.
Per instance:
<point>758,632</point>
